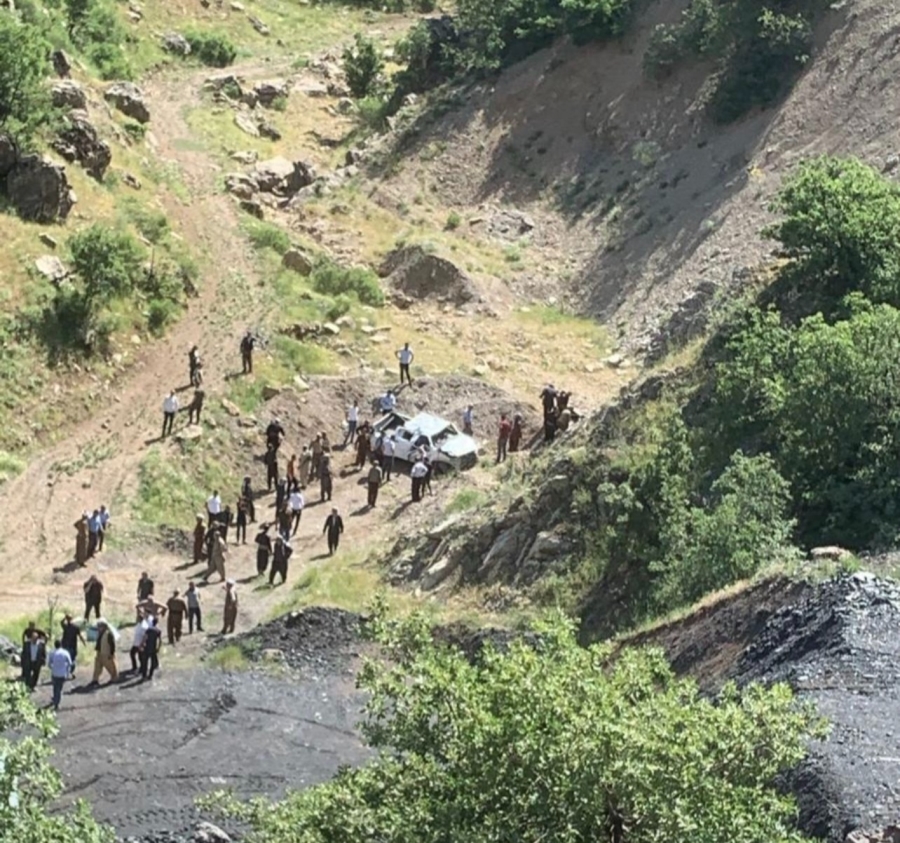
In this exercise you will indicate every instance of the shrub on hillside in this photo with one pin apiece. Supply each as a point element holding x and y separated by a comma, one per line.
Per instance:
<point>332,279</point>
<point>109,261</point>
<point>363,66</point>
<point>266,235</point>
<point>24,101</point>
<point>556,742</point>
<point>211,48</point>
<point>96,30</point>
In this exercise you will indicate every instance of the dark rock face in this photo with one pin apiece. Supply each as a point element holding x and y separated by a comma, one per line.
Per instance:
<point>68,94</point>
<point>62,64</point>
<point>419,275</point>
<point>8,156</point>
<point>39,190</point>
<point>79,141</point>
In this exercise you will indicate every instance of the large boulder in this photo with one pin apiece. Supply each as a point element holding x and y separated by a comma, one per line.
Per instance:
<point>415,273</point>
<point>297,261</point>
<point>62,64</point>
<point>241,185</point>
<point>173,42</point>
<point>67,93</point>
<point>79,141</point>
<point>246,121</point>
<point>129,99</point>
<point>8,156</point>
<point>267,92</point>
<point>283,177</point>
<point>39,190</point>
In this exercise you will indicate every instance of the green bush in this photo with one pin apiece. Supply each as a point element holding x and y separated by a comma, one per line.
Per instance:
<point>331,279</point>
<point>211,48</point>
<point>24,100</point>
<point>560,743</point>
<point>266,235</point>
<point>96,29</point>
<point>109,261</point>
<point>374,112</point>
<point>454,221</point>
<point>153,225</point>
<point>363,66</point>
<point>160,314</point>
<point>338,307</point>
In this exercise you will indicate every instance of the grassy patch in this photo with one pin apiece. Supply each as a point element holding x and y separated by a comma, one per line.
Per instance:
<point>466,499</point>
<point>10,466</point>
<point>230,657</point>
<point>12,628</point>
<point>265,235</point>
<point>553,324</point>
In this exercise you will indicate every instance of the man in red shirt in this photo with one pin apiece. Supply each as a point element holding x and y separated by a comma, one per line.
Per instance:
<point>503,438</point>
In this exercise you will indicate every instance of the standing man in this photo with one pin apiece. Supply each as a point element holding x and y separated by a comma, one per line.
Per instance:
<point>503,438</point>
<point>193,603</point>
<point>468,420</point>
<point>199,538</point>
<point>93,595</point>
<point>193,365</point>
<point>150,649</point>
<point>274,434</point>
<point>61,667</point>
<point>334,526</point>
<point>170,408</point>
<point>280,559</point>
<point>387,457</point>
<point>196,406</point>
<point>304,467</point>
<point>104,526</point>
<point>296,502</point>
<point>81,540</point>
<point>145,587</point>
<point>515,436</point>
<point>316,450</point>
<point>177,609</point>
<point>240,522</point>
<point>363,445</point>
<point>271,461</point>
<point>217,551</point>
<point>263,549</point>
<point>214,507</point>
<point>229,614</point>
<point>34,657</point>
<point>417,474</point>
<point>352,424</point>
<point>105,658</point>
<point>137,642</point>
<point>71,635</point>
<point>94,527</point>
<point>373,482</point>
<point>387,402</point>
<point>325,478</point>
<point>548,399</point>
<point>291,471</point>
<point>405,356</point>
<point>248,343</point>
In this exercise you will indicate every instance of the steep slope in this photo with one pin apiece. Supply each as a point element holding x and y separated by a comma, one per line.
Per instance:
<point>639,199</point>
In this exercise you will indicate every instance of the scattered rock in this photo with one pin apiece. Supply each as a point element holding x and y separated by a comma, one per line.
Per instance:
<point>247,122</point>
<point>297,261</point>
<point>241,185</point>
<point>132,181</point>
<point>250,156</point>
<point>414,272</point>
<point>206,832</point>
<point>229,85</point>
<point>189,434</point>
<point>259,26</point>
<point>891,163</point>
<point>62,64</point>
<point>283,177</point>
<point>890,834</point>
<point>39,190</point>
<point>346,106</point>
<point>267,92</point>
<point>52,268</point>
<point>253,207</point>
<point>68,94</point>
<point>353,157</point>
<point>615,361</point>
<point>509,224</point>
<point>331,328</point>
<point>230,407</point>
<point>173,42</point>
<point>48,241</point>
<point>129,99</point>
<point>269,130</point>
<point>236,6</point>
<point>830,553</point>
<point>269,392</point>
<point>79,141</point>
<point>300,385</point>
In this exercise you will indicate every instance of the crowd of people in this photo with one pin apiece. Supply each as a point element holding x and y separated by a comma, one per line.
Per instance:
<point>290,480</point>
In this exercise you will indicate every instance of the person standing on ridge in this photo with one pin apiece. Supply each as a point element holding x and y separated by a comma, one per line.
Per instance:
<point>170,408</point>
<point>405,356</point>
<point>503,438</point>
<point>248,343</point>
<point>352,424</point>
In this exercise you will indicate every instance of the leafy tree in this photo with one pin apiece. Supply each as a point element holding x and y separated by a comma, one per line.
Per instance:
<point>841,228</point>
<point>363,66</point>
<point>109,261</point>
<point>556,742</point>
<point>24,101</point>
<point>29,784</point>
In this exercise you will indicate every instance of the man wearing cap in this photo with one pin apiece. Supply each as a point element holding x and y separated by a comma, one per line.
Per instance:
<point>229,615</point>
<point>199,538</point>
<point>105,658</point>
<point>177,609</point>
<point>334,526</point>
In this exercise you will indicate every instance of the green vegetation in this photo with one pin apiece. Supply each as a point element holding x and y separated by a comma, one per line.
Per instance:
<point>560,743</point>
<point>363,66</point>
<point>29,785</point>
<point>759,48</point>
<point>230,657</point>
<point>266,235</point>
<point>97,31</point>
<point>10,466</point>
<point>211,48</point>
<point>24,100</point>
<point>466,499</point>
<point>333,279</point>
<point>454,221</point>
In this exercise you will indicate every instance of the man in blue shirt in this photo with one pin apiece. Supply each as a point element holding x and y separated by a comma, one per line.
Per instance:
<point>104,524</point>
<point>95,525</point>
<point>60,669</point>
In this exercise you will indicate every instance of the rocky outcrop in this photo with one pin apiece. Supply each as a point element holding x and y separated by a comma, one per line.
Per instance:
<point>39,190</point>
<point>129,99</point>
<point>267,93</point>
<point>79,142</point>
<point>297,261</point>
<point>415,273</point>
<point>51,268</point>
<point>67,93</point>
<point>276,177</point>
<point>176,44</point>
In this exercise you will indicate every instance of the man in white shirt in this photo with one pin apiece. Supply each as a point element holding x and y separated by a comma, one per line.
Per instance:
<point>405,356</point>
<point>170,408</point>
<point>60,670</point>
<point>296,503</point>
<point>387,457</point>
<point>352,423</point>
<point>417,473</point>
<point>468,420</point>
<point>214,507</point>
<point>140,628</point>
<point>388,401</point>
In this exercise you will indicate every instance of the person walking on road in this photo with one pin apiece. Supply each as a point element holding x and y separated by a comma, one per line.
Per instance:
<point>61,668</point>
<point>145,587</point>
<point>405,356</point>
<point>196,406</point>
<point>93,595</point>
<point>71,636</point>
<point>417,475</point>
<point>229,613</point>
<point>170,408</point>
<point>248,343</point>
<point>34,657</point>
<point>280,559</point>
<point>81,540</point>
<point>137,641</point>
<point>177,609</point>
<point>192,598</point>
<point>240,522</point>
<point>95,525</point>
<point>296,502</point>
<point>326,481</point>
<point>150,650</point>
<point>105,657</point>
<point>304,466</point>
<point>334,526</point>
<point>373,482</point>
<point>263,549</point>
<point>105,518</point>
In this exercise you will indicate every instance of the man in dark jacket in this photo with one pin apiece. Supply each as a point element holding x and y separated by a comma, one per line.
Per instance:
<point>263,549</point>
<point>334,526</point>
<point>280,559</point>
<point>34,657</point>
<point>93,595</point>
<point>71,636</point>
